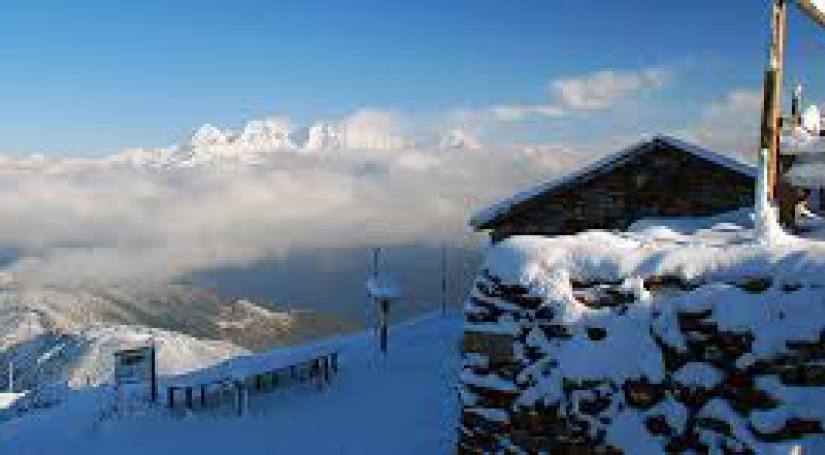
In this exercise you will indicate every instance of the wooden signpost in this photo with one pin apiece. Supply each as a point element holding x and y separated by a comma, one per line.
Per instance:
<point>137,366</point>
<point>382,291</point>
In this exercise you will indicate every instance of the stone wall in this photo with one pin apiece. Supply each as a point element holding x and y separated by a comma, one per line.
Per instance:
<point>706,388</point>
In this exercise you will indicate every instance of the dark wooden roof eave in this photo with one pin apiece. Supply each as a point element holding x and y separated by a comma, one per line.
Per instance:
<point>600,167</point>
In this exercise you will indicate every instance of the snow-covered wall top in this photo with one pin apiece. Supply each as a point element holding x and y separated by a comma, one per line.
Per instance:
<point>724,252</point>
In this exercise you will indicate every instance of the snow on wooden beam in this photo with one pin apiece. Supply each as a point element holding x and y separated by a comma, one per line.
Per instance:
<point>814,9</point>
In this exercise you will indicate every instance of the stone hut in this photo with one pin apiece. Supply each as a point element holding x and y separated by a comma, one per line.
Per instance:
<point>659,177</point>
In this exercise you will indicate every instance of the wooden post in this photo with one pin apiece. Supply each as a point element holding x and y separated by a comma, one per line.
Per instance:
<point>170,397</point>
<point>189,397</point>
<point>203,395</point>
<point>771,102</point>
<point>812,11</point>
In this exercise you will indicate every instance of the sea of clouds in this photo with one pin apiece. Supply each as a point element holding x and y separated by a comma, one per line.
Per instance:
<point>297,227</point>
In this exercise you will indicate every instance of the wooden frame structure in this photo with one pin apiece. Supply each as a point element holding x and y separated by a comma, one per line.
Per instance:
<point>780,192</point>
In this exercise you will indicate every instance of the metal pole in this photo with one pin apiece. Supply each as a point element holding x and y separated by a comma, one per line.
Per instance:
<point>375,253</point>
<point>11,376</point>
<point>153,380</point>
<point>385,308</point>
<point>443,278</point>
<point>238,398</point>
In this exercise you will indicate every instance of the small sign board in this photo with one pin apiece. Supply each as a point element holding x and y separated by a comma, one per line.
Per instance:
<point>135,366</point>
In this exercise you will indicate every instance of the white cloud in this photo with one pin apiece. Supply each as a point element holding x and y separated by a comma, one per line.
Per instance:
<point>518,112</point>
<point>596,91</point>
<point>731,124</point>
<point>603,89</point>
<point>81,226</point>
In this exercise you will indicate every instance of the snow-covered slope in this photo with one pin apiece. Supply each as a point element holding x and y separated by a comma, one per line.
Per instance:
<point>182,309</point>
<point>405,403</point>
<point>50,358</point>
<point>58,338</point>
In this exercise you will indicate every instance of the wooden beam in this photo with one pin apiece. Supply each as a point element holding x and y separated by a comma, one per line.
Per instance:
<point>812,11</point>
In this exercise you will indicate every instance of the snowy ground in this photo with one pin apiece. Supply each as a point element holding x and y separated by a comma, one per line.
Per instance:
<point>403,404</point>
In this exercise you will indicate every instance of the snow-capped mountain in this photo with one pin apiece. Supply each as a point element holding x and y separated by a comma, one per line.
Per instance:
<point>257,140</point>
<point>457,138</point>
<point>324,136</point>
<point>272,133</point>
<point>206,136</point>
<point>255,143</point>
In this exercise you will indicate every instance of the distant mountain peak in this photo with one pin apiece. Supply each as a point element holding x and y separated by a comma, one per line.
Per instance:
<point>207,135</point>
<point>457,138</point>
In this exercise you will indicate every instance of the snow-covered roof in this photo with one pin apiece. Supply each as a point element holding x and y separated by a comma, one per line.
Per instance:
<point>493,212</point>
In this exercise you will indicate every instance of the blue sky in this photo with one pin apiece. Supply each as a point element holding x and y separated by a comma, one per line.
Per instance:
<point>92,77</point>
